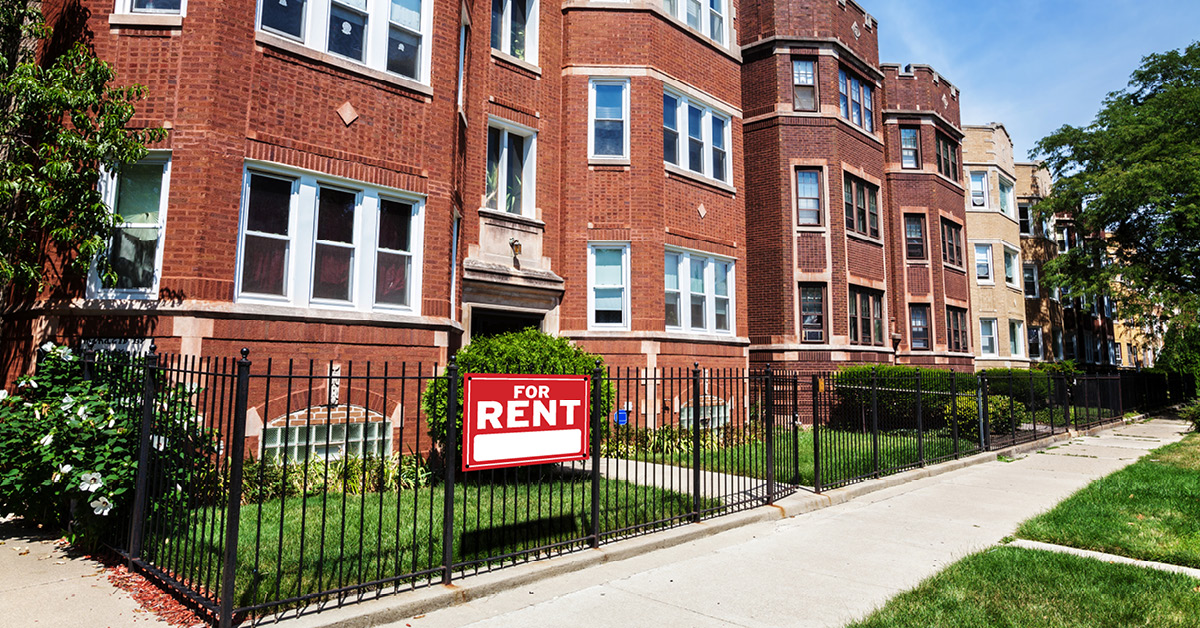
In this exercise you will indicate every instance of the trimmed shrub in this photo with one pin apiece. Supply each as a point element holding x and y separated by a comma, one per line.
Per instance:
<point>1004,412</point>
<point>1022,385</point>
<point>528,351</point>
<point>896,395</point>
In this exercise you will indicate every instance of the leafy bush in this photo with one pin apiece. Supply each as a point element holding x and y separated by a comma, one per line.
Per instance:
<point>966,414</point>
<point>265,480</point>
<point>69,447</point>
<point>1019,383</point>
<point>528,351</point>
<point>1062,367</point>
<point>1000,421</point>
<point>896,395</point>
<point>626,440</point>
<point>1191,414</point>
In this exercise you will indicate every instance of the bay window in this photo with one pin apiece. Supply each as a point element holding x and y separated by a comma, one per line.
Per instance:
<point>947,156</point>
<point>1007,204</point>
<point>979,189</point>
<point>804,85</point>
<point>983,263</point>
<point>866,316</point>
<point>311,240</point>
<point>808,197</point>
<point>699,292</point>
<point>1010,266</point>
<point>514,28</point>
<point>509,185</point>
<point>914,236</point>
<point>694,14</point>
<point>706,133</point>
<point>856,98</point>
<point>952,251</point>
<point>862,206</point>
<point>910,147</point>
<point>386,36</point>
<point>957,330</point>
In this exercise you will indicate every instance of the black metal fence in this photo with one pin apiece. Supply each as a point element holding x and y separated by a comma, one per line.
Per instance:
<point>869,424</point>
<point>265,488</point>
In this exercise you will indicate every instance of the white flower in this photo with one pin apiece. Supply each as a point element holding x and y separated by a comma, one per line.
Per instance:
<point>101,505</point>
<point>28,381</point>
<point>55,478</point>
<point>66,468</point>
<point>67,354</point>
<point>3,395</point>
<point>82,412</point>
<point>48,347</point>
<point>159,442</point>
<point>67,402</point>
<point>178,488</point>
<point>111,422</point>
<point>90,482</point>
<point>46,440</point>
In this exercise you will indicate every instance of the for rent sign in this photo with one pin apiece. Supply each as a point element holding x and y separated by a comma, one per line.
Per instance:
<point>513,420</point>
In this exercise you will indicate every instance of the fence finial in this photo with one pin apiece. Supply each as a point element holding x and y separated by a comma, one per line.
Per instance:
<point>245,352</point>
<point>153,348</point>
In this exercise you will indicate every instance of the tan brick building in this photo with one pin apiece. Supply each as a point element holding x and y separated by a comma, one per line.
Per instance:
<point>1043,307</point>
<point>994,248</point>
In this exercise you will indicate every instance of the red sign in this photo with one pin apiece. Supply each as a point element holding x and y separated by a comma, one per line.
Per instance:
<point>514,420</point>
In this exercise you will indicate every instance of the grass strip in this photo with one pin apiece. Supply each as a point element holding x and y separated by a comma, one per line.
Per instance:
<point>1148,510</point>
<point>1015,588</point>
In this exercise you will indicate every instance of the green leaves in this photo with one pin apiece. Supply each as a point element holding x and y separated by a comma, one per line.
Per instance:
<point>61,124</point>
<point>1131,183</point>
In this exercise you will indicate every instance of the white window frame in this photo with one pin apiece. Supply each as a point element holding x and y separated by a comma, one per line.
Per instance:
<point>1056,336</point>
<point>983,337</point>
<point>1007,199</point>
<point>109,184</point>
<point>1041,341</point>
<point>683,122</point>
<point>1016,337</point>
<point>528,178</point>
<point>1016,264</point>
<point>1037,289</point>
<point>983,192</point>
<point>531,31</point>
<point>626,287</point>
<point>710,261</point>
<point>314,34</point>
<point>302,234</point>
<point>126,7</point>
<point>625,118</point>
<point>991,278</point>
<point>1120,361</point>
<point>464,31</point>
<point>678,10</point>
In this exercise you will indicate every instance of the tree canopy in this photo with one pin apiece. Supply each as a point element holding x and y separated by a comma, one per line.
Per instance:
<point>1131,182</point>
<point>61,124</point>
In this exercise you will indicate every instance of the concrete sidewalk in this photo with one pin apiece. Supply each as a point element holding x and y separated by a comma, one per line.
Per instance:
<point>42,585</point>
<point>824,568</point>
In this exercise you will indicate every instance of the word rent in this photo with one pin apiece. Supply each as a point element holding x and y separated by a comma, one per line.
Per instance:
<point>537,409</point>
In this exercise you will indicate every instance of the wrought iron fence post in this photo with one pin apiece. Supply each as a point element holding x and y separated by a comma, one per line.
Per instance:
<point>816,415</point>
<point>138,517</point>
<point>770,434</point>
<point>451,463</point>
<point>875,418</point>
<point>1066,403</point>
<point>87,358</point>
<point>954,411</point>
<point>795,377</point>
<point>920,423</point>
<point>1121,399</point>
<point>696,441</point>
<point>597,392</point>
<point>1032,407</point>
<point>1012,407</point>
<point>237,446</point>
<point>985,418</point>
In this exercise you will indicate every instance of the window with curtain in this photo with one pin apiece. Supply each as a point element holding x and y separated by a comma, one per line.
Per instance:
<point>137,195</point>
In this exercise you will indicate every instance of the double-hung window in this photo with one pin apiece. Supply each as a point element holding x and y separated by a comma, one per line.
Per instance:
<point>983,263</point>
<point>914,236</point>
<point>1056,337</point>
<point>1062,237</point>
<point>1030,277</point>
<point>704,133</point>
<point>138,197</point>
<point>808,197</point>
<point>391,36</point>
<point>910,147</point>
<point>310,240</point>
<point>862,206</point>
<point>608,286</point>
<point>699,292</point>
<point>514,28</point>
<point>608,118</point>
<point>919,320</point>
<point>979,189</point>
<point>952,243</point>
<point>947,154</point>
<point>1007,204</point>
<point>1016,333</point>
<point>1023,220</point>
<point>857,100</point>
<point>804,85</point>
<point>987,336</point>
<point>693,13</point>
<point>1035,343</point>
<point>510,168</point>
<point>169,7</point>
<point>1010,266</point>
<point>957,330</point>
<point>866,316</point>
<point>812,312</point>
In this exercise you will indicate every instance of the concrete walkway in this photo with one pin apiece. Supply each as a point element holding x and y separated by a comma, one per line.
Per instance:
<point>824,568</point>
<point>43,586</point>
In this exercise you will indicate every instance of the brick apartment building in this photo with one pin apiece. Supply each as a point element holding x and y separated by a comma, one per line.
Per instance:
<point>352,180</point>
<point>854,204</point>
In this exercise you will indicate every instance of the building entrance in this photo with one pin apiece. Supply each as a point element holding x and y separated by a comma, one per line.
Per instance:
<point>488,322</point>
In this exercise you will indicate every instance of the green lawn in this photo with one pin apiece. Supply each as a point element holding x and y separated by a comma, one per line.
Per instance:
<point>1016,588</point>
<point>1148,510</point>
<point>291,553</point>
<point>844,455</point>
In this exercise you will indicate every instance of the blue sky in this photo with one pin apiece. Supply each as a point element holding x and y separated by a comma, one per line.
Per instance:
<point>1033,65</point>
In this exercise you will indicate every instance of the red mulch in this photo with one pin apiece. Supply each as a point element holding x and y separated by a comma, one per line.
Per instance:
<point>150,596</point>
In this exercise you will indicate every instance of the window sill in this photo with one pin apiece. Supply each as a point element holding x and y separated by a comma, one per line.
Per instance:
<point>517,218</point>
<point>811,229</point>
<point>145,20</point>
<point>865,238</point>
<point>672,169</point>
<point>608,161</point>
<point>500,55</point>
<point>300,50</point>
